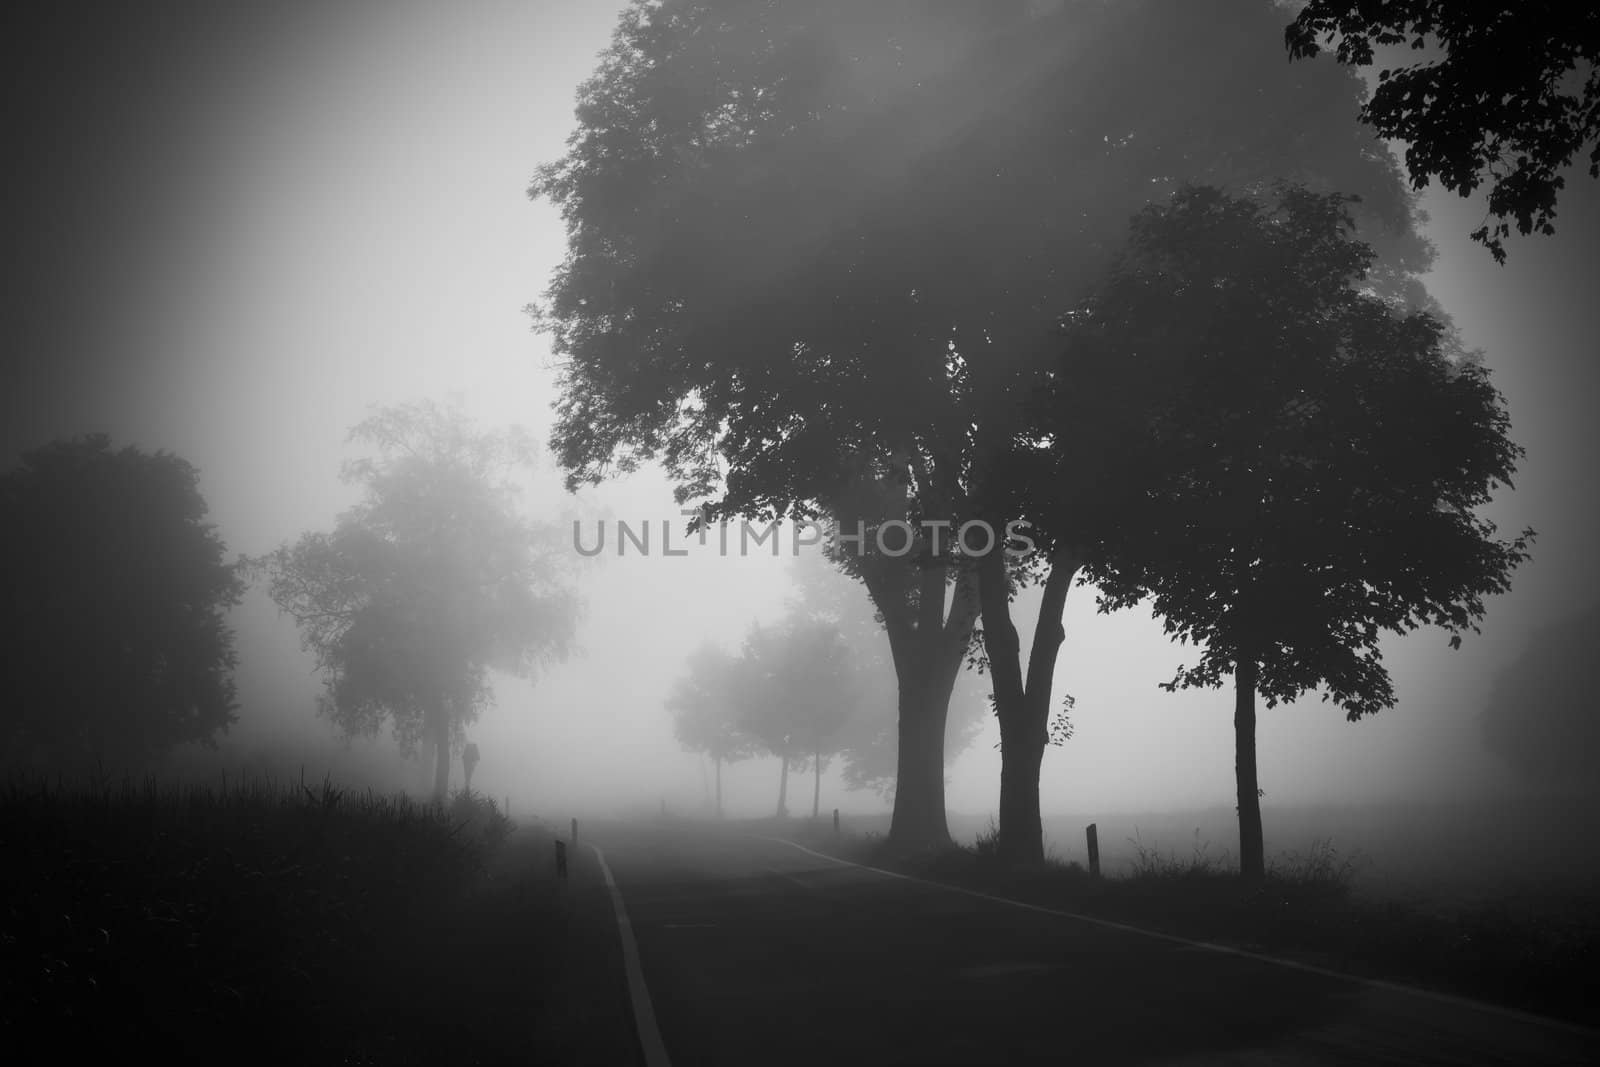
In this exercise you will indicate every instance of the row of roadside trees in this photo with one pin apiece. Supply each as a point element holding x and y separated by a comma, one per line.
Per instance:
<point>118,592</point>
<point>813,688</point>
<point>873,264</point>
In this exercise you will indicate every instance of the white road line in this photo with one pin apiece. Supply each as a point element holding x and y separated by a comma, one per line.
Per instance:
<point>644,1015</point>
<point>1373,983</point>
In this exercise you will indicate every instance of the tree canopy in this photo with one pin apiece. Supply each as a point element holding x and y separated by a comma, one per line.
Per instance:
<point>817,252</point>
<point>433,579</point>
<point>116,599</point>
<point>1308,459</point>
<point>1509,94</point>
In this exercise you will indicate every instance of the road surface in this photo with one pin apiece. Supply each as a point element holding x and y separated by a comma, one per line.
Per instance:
<point>753,951</point>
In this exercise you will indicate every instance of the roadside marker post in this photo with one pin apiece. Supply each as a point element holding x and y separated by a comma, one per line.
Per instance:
<point>836,823</point>
<point>561,859</point>
<point>1094,850</point>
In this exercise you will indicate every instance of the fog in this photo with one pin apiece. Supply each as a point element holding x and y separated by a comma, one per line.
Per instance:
<point>239,233</point>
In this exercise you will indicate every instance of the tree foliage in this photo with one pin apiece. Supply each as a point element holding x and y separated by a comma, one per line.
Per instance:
<point>817,251</point>
<point>705,706</point>
<point>116,597</point>
<point>1509,94</point>
<point>1306,460</point>
<point>1311,461</point>
<point>428,583</point>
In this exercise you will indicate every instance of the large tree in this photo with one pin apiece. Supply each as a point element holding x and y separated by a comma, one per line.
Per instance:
<point>1507,93</point>
<point>430,581</point>
<point>822,248</point>
<point>115,608</point>
<point>1303,458</point>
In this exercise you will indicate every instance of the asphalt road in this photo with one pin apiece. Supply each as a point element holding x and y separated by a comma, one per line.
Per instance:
<point>755,952</point>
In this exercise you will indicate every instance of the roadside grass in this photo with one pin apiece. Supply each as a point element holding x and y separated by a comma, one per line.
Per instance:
<point>1535,956</point>
<point>253,921</point>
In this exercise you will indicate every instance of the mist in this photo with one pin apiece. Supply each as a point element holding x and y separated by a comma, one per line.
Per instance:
<point>239,232</point>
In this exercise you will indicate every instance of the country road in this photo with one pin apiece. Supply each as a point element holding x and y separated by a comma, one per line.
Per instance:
<point>751,950</point>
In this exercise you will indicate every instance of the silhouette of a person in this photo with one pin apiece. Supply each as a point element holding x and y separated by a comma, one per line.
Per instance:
<point>469,761</point>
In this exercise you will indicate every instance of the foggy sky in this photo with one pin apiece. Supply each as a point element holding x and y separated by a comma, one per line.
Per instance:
<point>234,232</point>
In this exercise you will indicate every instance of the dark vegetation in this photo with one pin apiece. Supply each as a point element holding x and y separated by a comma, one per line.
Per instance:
<point>113,597</point>
<point>261,921</point>
<point>1493,93</point>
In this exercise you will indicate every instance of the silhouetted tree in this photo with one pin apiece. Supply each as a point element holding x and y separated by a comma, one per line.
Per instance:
<point>822,247</point>
<point>707,716</point>
<point>1539,715</point>
<point>116,596</point>
<point>428,583</point>
<point>1303,457</point>
<point>1508,93</point>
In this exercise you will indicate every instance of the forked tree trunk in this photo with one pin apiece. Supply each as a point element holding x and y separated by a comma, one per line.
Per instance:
<point>927,660</point>
<point>1022,704</point>
<point>1252,848</point>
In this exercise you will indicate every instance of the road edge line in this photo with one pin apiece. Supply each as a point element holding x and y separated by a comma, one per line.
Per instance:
<point>644,1013</point>
<point>1576,1029</point>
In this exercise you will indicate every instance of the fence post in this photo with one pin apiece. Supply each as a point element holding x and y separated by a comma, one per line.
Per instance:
<point>561,858</point>
<point>1094,850</point>
<point>836,825</point>
<point>574,831</point>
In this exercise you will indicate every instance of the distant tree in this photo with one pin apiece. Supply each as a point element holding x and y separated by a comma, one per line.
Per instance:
<point>115,605</point>
<point>798,685</point>
<point>817,252</point>
<point>707,716</point>
<point>428,583</point>
<point>1539,715</point>
<point>1509,94</point>
<point>1304,459</point>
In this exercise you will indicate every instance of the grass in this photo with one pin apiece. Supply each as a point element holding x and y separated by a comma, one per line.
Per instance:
<point>301,916</point>
<point>1535,956</point>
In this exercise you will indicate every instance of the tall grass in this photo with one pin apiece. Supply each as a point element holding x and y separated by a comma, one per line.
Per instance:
<point>141,908</point>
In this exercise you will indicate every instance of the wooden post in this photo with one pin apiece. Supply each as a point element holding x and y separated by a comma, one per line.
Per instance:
<point>835,822</point>
<point>561,859</point>
<point>574,831</point>
<point>1094,850</point>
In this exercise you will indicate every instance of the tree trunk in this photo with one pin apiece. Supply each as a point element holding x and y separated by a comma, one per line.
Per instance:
<point>1022,704</point>
<point>816,788</point>
<point>441,758</point>
<point>1022,745</point>
<point>919,820</point>
<point>783,787</point>
<point>719,787</point>
<point>927,661</point>
<point>1252,849</point>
